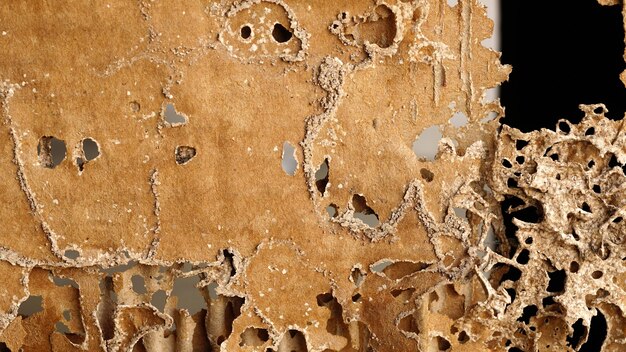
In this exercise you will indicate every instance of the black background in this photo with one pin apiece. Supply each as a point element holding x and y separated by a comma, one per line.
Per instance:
<point>563,53</point>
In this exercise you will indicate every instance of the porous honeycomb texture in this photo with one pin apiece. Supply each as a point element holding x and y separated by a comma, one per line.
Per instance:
<point>147,204</point>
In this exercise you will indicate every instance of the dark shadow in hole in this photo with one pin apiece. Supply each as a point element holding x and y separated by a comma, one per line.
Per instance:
<point>254,337</point>
<point>321,177</point>
<point>555,66</point>
<point>547,301</point>
<point>427,175</point>
<point>293,341</point>
<point>577,335</point>
<point>281,34</point>
<point>363,212</point>
<point>557,281</point>
<point>443,344</point>
<point>530,214</point>
<point>409,324</point>
<point>597,333</point>
<point>513,274</point>
<point>246,32</point>
<point>4,347</point>
<point>51,151</point>
<point>523,257</point>
<point>232,312</point>
<point>512,294</point>
<point>184,154</point>
<point>527,313</point>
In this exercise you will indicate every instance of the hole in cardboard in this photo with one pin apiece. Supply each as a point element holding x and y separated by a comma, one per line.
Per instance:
<point>596,274</point>
<point>246,32</point>
<point>71,254</point>
<point>139,284</point>
<point>158,300</point>
<point>229,257</point>
<point>425,146</point>
<point>574,266</point>
<point>231,312</point>
<point>134,106</point>
<point>254,337</point>
<point>409,324</point>
<point>357,276</point>
<point>512,294</point>
<point>106,307</point>
<point>280,33</point>
<point>289,162</point>
<point>443,344</point>
<point>510,272</point>
<point>527,313</point>
<point>557,281</point>
<point>172,117</point>
<point>379,266</point>
<point>189,297</point>
<point>51,151</point>
<point>63,281</point>
<point>184,154</point>
<point>363,212</point>
<point>520,144</point>
<point>547,301</point>
<point>332,210</point>
<point>403,294</point>
<point>523,256</point>
<point>293,341</point>
<point>400,269</point>
<point>32,305</point>
<point>427,175</point>
<point>585,207</point>
<point>321,177</point>
<point>91,150</point>
<point>577,334</point>
<point>323,299</point>
<point>463,337</point>
<point>458,119</point>
<point>597,333</point>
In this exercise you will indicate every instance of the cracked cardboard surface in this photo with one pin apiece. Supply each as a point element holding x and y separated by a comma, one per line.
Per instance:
<point>111,244</point>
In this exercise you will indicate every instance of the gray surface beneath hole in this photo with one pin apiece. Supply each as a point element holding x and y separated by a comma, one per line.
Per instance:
<point>425,146</point>
<point>172,117</point>
<point>289,162</point>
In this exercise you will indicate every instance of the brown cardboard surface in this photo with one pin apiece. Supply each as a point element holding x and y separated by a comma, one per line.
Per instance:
<point>185,231</point>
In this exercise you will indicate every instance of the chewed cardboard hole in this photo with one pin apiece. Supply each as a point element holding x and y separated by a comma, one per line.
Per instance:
<point>289,163</point>
<point>51,151</point>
